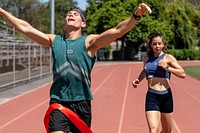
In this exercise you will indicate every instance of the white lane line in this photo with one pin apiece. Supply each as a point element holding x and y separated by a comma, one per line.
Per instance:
<point>181,87</point>
<point>16,118</point>
<point>124,104</point>
<point>176,126</point>
<point>104,81</point>
<point>23,114</point>
<point>96,70</point>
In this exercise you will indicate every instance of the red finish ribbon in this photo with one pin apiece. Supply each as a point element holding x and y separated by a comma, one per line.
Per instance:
<point>75,119</point>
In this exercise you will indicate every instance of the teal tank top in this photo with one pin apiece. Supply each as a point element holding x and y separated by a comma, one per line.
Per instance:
<point>72,68</point>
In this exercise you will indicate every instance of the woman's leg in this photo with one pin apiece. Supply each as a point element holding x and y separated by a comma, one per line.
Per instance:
<point>167,122</point>
<point>153,120</point>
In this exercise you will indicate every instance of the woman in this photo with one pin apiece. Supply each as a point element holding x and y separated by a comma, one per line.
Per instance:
<point>158,67</point>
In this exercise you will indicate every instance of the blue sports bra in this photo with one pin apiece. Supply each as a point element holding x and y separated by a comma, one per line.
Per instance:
<point>153,70</point>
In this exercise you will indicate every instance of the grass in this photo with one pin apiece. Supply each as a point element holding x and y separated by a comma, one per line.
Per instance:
<point>193,71</point>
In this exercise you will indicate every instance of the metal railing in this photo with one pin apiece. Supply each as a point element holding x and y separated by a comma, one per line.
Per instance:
<point>22,61</point>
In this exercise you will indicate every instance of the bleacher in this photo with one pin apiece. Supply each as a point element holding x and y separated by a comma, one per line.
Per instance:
<point>20,58</point>
<point>9,47</point>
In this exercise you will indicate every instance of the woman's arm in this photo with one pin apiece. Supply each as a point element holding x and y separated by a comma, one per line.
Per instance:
<point>171,64</point>
<point>141,76</point>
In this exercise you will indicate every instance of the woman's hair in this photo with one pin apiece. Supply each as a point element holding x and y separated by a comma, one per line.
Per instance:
<point>153,35</point>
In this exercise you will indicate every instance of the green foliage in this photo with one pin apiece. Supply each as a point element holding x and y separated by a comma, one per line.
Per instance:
<point>104,15</point>
<point>193,71</point>
<point>185,54</point>
<point>182,14</point>
<point>107,14</point>
<point>107,51</point>
<point>24,9</point>
<point>178,21</point>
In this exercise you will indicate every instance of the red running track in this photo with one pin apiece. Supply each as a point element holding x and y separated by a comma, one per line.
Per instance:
<point>117,106</point>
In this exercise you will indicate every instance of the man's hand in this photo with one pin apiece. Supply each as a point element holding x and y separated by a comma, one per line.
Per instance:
<point>0,9</point>
<point>142,8</point>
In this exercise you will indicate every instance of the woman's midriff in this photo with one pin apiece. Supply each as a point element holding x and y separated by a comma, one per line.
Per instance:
<point>158,83</point>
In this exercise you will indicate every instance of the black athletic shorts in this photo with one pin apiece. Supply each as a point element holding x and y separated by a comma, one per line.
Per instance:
<point>159,100</point>
<point>59,122</point>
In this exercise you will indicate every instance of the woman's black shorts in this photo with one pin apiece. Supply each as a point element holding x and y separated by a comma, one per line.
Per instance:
<point>59,122</point>
<point>159,100</point>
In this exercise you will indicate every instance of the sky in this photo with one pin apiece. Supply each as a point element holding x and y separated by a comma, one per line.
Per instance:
<point>81,3</point>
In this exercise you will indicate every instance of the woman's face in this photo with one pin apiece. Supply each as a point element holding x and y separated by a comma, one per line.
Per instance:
<point>157,45</point>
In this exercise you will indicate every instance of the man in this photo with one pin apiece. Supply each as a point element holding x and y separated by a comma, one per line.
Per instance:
<point>74,57</point>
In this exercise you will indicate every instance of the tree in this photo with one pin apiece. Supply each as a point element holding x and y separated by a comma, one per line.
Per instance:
<point>177,20</point>
<point>24,9</point>
<point>185,18</point>
<point>107,14</point>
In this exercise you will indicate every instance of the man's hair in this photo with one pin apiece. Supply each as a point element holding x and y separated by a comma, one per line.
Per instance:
<point>77,9</point>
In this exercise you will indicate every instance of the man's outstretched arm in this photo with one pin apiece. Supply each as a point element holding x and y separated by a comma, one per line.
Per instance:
<point>26,29</point>
<point>107,37</point>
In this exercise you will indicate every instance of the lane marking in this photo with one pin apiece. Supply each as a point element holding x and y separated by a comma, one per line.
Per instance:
<point>104,81</point>
<point>124,103</point>
<point>96,70</point>
<point>23,114</point>
<point>187,92</point>
<point>123,108</point>
<point>176,126</point>
<point>174,122</point>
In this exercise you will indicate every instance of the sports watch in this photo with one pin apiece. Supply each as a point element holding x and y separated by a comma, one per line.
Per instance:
<point>136,17</point>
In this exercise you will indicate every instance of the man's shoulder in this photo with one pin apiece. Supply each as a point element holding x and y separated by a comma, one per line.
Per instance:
<point>90,38</point>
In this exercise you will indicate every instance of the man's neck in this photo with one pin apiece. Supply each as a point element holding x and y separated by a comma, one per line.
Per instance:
<point>72,35</point>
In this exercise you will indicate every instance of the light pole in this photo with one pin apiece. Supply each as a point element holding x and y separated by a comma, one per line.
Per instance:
<point>52,4</point>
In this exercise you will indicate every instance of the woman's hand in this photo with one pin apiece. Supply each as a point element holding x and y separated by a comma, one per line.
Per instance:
<point>162,64</point>
<point>135,83</point>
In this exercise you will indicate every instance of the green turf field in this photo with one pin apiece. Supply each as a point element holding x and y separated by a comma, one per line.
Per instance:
<point>193,71</point>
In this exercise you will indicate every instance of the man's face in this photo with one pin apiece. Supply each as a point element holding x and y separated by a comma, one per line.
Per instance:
<point>74,19</point>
